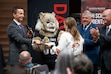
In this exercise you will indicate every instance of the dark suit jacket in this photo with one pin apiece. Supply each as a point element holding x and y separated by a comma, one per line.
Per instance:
<point>89,47</point>
<point>105,47</point>
<point>2,61</point>
<point>17,41</point>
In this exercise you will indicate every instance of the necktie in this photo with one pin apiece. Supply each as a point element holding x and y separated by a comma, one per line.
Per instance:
<point>84,28</point>
<point>107,30</point>
<point>21,28</point>
<point>84,31</point>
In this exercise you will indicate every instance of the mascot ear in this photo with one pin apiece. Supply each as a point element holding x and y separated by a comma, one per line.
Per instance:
<point>39,24</point>
<point>53,13</point>
<point>56,19</point>
<point>41,15</point>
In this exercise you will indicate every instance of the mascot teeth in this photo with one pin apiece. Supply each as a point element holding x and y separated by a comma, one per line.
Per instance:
<point>51,28</point>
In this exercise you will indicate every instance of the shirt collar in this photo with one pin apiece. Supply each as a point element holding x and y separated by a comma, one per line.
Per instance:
<point>109,26</point>
<point>16,22</point>
<point>87,26</point>
<point>29,64</point>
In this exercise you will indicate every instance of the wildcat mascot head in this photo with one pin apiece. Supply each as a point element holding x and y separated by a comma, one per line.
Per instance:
<point>47,26</point>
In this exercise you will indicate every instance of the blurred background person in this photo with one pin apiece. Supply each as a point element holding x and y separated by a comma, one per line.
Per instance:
<point>2,60</point>
<point>82,65</point>
<point>23,66</point>
<point>25,59</point>
<point>64,61</point>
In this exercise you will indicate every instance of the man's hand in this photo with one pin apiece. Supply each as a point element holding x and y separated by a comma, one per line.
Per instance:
<point>30,33</point>
<point>57,51</point>
<point>75,45</point>
<point>95,34</point>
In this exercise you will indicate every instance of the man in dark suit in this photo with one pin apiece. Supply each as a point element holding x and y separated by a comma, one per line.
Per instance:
<point>103,38</point>
<point>2,60</point>
<point>17,35</point>
<point>89,47</point>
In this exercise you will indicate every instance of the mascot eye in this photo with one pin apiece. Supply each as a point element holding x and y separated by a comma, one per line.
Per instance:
<point>47,21</point>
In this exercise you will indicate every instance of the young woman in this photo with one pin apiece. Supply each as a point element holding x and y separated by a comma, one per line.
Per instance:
<point>71,38</point>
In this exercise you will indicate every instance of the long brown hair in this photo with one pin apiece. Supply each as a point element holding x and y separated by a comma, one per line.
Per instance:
<point>71,27</point>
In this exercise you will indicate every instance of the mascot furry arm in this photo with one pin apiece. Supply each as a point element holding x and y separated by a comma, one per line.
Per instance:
<point>46,29</point>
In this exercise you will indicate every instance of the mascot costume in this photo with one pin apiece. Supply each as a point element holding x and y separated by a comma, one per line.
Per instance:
<point>46,30</point>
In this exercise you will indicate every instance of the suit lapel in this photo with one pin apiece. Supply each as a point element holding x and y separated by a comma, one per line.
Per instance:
<point>109,32</point>
<point>24,35</point>
<point>103,30</point>
<point>88,29</point>
<point>87,33</point>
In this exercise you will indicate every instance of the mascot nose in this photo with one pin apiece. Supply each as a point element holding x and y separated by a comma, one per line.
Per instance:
<point>51,24</point>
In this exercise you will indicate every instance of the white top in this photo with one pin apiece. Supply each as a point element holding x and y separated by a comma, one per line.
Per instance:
<point>66,42</point>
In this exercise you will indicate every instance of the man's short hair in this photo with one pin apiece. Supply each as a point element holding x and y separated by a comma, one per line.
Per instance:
<point>24,56</point>
<point>87,12</point>
<point>82,64</point>
<point>14,10</point>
